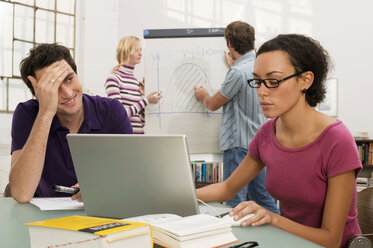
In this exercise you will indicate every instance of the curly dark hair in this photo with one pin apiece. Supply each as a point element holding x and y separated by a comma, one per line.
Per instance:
<point>241,35</point>
<point>42,56</point>
<point>306,54</point>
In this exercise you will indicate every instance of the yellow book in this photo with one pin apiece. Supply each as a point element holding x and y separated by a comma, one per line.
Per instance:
<point>89,232</point>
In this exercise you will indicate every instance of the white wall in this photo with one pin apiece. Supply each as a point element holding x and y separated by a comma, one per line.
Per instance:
<point>345,30</point>
<point>97,38</point>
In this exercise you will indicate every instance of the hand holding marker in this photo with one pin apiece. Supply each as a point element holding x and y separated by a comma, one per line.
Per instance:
<point>154,97</point>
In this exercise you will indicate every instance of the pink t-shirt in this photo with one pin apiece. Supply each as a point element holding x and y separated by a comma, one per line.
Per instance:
<point>298,177</point>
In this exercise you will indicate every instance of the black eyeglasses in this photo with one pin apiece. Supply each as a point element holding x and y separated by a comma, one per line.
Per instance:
<point>247,244</point>
<point>269,82</point>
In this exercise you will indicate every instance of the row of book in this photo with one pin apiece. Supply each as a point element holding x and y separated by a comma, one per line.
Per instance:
<point>365,150</point>
<point>208,172</point>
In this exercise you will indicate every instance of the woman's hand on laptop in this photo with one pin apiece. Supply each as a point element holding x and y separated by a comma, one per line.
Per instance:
<point>77,196</point>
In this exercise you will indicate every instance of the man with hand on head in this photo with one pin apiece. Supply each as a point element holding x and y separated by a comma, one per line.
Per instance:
<point>40,154</point>
<point>242,115</point>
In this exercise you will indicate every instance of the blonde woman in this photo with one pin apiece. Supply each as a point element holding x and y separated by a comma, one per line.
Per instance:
<point>122,85</point>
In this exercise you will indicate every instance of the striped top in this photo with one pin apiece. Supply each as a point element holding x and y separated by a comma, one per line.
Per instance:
<point>242,115</point>
<point>123,86</point>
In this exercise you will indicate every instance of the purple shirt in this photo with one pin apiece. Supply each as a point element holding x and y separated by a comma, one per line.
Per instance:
<point>101,115</point>
<point>298,177</point>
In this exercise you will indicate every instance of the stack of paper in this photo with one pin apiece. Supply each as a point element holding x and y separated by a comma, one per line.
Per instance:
<point>193,231</point>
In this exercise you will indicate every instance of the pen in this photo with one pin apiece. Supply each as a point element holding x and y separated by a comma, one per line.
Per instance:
<point>64,189</point>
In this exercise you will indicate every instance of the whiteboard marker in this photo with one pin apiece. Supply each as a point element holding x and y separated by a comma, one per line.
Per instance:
<point>157,94</point>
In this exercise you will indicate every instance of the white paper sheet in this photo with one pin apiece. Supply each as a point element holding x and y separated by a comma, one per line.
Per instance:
<point>56,203</point>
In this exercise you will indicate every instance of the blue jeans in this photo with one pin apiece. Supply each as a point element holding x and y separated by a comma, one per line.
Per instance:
<point>255,190</point>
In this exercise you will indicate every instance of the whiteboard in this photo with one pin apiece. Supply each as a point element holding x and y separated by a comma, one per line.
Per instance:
<point>174,66</point>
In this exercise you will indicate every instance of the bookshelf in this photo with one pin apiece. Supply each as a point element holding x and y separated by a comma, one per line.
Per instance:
<point>206,173</point>
<point>365,149</point>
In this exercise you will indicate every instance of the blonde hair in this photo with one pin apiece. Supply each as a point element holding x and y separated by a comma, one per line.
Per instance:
<point>126,46</point>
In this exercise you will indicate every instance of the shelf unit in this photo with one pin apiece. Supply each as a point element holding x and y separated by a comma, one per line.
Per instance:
<point>206,173</point>
<point>365,149</point>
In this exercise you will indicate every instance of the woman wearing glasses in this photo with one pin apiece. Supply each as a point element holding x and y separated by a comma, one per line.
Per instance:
<point>311,159</point>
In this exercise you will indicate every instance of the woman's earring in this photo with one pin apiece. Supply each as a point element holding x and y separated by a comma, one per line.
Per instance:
<point>304,91</point>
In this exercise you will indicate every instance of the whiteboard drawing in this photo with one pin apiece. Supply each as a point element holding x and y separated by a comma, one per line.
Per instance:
<point>179,96</point>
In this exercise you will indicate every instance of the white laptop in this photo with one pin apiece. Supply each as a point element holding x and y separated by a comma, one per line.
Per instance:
<point>123,176</point>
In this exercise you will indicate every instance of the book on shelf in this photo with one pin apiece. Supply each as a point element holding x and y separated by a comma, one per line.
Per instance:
<point>92,232</point>
<point>197,172</point>
<point>195,231</point>
<point>204,172</point>
<point>370,152</point>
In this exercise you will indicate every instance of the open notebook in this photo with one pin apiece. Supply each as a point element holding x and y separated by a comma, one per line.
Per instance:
<point>123,176</point>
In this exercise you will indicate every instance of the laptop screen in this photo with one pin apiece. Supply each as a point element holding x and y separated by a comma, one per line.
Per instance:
<point>123,176</point>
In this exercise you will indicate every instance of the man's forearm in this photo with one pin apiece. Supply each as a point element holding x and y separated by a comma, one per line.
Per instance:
<point>212,103</point>
<point>27,163</point>
<point>206,101</point>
